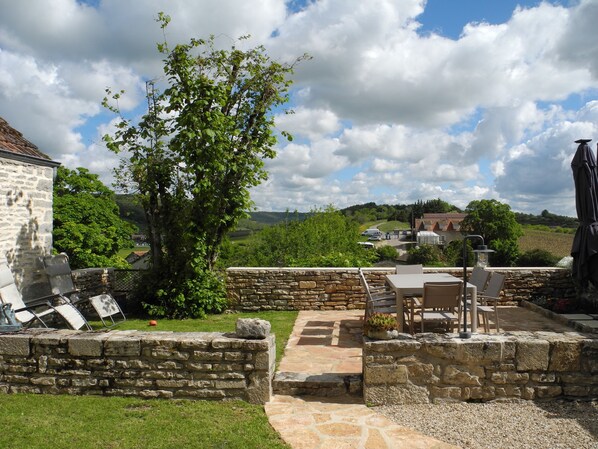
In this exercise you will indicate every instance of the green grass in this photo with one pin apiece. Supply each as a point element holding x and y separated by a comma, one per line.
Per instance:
<point>282,325</point>
<point>90,422</point>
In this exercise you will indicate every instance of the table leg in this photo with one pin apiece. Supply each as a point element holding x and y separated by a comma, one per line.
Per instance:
<point>400,314</point>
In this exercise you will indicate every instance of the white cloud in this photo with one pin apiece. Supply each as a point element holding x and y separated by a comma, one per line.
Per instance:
<point>383,112</point>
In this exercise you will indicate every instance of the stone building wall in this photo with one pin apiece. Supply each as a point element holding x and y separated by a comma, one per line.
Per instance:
<point>433,368</point>
<point>190,365</point>
<point>25,220</point>
<point>251,289</point>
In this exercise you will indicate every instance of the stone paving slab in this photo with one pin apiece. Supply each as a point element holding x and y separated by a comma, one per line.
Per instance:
<point>317,423</point>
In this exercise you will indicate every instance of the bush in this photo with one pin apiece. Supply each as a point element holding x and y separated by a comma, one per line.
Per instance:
<point>537,258</point>
<point>387,252</point>
<point>425,255</point>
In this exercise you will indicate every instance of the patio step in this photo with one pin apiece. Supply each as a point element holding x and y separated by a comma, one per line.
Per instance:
<point>326,384</point>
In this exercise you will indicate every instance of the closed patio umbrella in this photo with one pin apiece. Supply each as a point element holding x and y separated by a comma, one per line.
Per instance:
<point>585,243</point>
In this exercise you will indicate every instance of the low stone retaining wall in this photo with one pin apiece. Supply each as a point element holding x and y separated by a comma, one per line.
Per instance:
<point>431,368</point>
<point>251,289</point>
<point>132,363</point>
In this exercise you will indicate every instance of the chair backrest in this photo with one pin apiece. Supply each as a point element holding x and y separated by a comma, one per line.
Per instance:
<point>10,294</point>
<point>479,278</point>
<point>59,272</point>
<point>495,285</point>
<point>410,269</point>
<point>442,295</point>
<point>364,284</point>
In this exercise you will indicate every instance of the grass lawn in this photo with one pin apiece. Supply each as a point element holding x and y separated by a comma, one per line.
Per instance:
<point>57,422</point>
<point>282,325</point>
<point>82,422</point>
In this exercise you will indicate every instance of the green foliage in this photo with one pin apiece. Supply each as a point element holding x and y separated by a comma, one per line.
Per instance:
<point>547,219</point>
<point>193,158</point>
<point>387,252</point>
<point>424,254</point>
<point>325,239</point>
<point>537,258</point>
<point>381,322</point>
<point>87,225</point>
<point>506,253</point>
<point>496,223</point>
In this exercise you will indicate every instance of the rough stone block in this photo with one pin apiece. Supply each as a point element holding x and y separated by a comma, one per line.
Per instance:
<point>532,355</point>
<point>565,356</point>
<point>14,345</point>
<point>459,375</point>
<point>122,346</point>
<point>385,375</point>
<point>86,345</point>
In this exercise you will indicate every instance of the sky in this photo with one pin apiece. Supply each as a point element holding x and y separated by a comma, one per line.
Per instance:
<point>403,100</point>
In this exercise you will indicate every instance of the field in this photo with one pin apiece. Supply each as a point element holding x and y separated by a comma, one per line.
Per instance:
<point>556,243</point>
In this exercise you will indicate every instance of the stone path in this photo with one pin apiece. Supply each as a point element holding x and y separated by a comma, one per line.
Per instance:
<point>330,342</point>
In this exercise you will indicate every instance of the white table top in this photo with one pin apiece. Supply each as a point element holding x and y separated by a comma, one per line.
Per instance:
<point>415,282</point>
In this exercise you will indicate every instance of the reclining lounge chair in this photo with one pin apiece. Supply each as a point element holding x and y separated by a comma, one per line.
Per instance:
<point>40,310</point>
<point>61,279</point>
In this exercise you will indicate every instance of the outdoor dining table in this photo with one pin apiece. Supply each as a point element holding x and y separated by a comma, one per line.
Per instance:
<point>413,285</point>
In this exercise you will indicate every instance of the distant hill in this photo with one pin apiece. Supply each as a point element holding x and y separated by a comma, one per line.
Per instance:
<point>131,211</point>
<point>547,219</point>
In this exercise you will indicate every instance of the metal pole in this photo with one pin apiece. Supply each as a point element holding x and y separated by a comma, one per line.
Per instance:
<point>465,333</point>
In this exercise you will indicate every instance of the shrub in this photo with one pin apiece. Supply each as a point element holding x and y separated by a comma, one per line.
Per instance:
<point>537,258</point>
<point>387,252</point>
<point>424,254</point>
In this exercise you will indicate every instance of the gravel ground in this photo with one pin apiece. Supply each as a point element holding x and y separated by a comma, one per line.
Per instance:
<point>504,425</point>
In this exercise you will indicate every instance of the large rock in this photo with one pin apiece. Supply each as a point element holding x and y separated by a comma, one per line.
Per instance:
<point>253,328</point>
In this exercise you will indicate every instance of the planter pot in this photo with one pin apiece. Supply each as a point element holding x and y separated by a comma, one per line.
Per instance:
<point>382,334</point>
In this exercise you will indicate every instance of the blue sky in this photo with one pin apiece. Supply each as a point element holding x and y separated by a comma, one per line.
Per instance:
<point>403,99</point>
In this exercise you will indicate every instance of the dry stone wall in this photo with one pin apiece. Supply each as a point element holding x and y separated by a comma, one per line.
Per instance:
<point>133,363</point>
<point>26,221</point>
<point>251,289</point>
<point>432,368</point>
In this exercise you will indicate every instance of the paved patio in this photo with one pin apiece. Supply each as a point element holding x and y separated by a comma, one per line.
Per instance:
<point>325,343</point>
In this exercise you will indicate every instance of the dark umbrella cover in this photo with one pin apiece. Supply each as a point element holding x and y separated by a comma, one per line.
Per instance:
<point>585,243</point>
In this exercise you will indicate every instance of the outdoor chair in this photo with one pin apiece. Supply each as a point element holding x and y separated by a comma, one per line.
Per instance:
<point>440,303</point>
<point>377,300</point>
<point>489,298</point>
<point>410,269</point>
<point>61,280</point>
<point>479,278</point>
<point>39,310</point>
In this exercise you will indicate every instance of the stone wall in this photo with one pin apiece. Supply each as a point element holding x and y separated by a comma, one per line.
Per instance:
<point>433,368</point>
<point>251,289</point>
<point>25,220</point>
<point>190,365</point>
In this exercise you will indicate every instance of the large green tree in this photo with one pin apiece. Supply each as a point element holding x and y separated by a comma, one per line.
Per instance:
<point>87,225</point>
<point>325,239</point>
<point>193,157</point>
<point>497,224</point>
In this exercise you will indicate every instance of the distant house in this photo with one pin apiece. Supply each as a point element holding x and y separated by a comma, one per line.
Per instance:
<point>26,185</point>
<point>139,260</point>
<point>446,226</point>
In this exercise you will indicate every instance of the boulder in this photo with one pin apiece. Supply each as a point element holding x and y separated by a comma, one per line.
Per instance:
<point>253,328</point>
